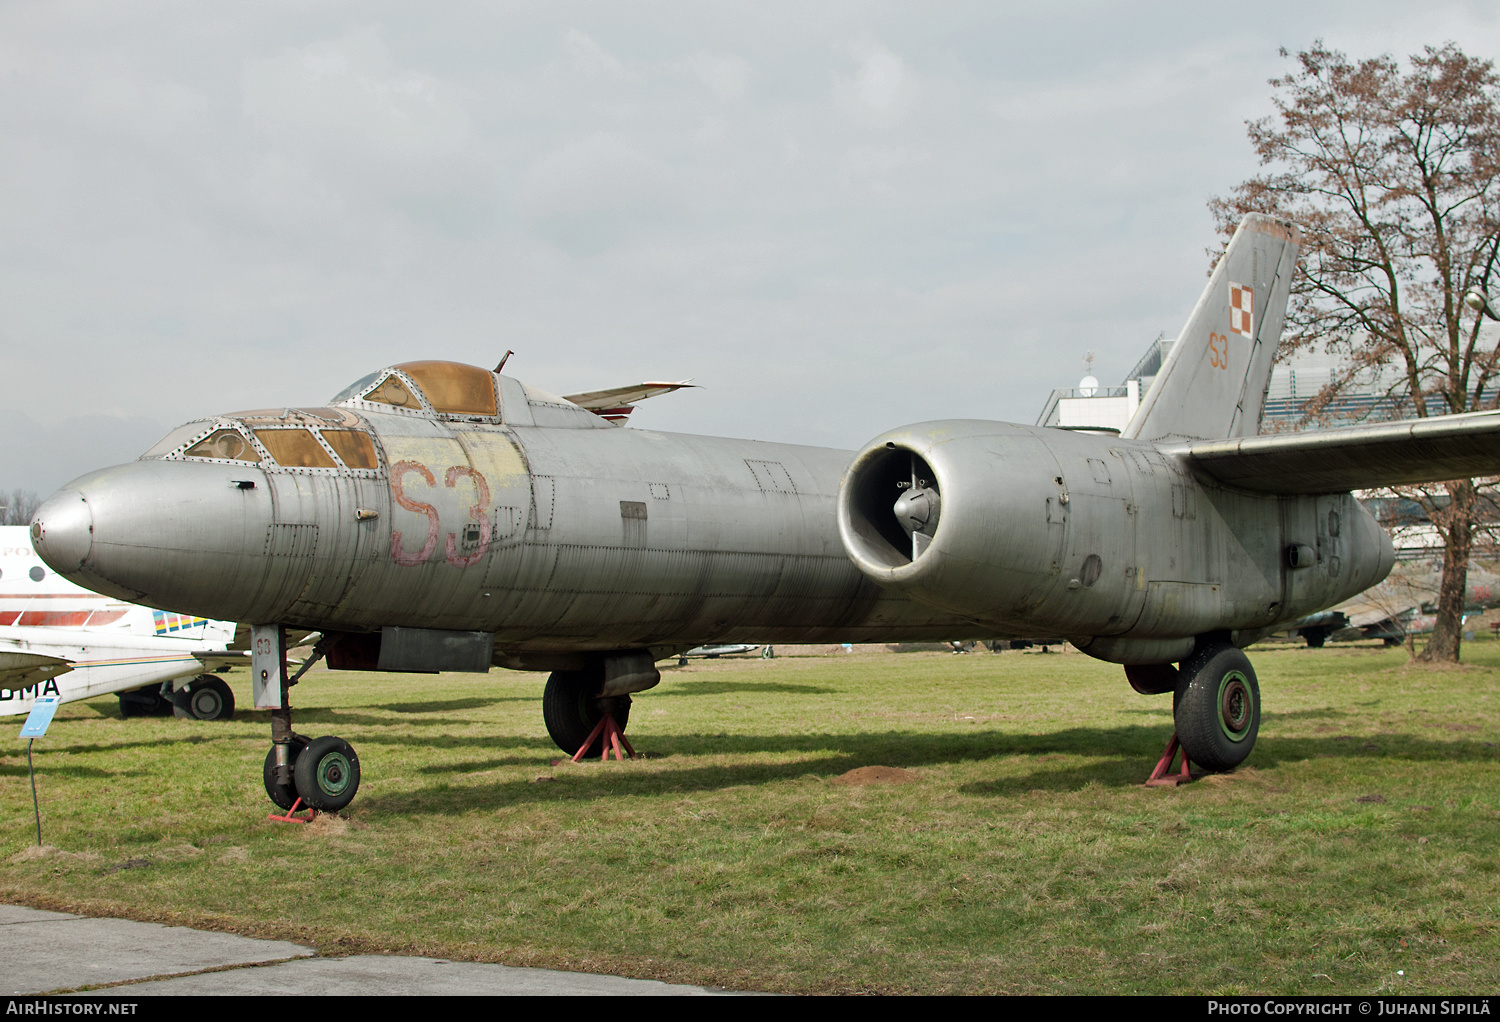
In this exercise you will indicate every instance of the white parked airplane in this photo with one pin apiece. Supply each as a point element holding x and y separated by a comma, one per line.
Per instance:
<point>57,638</point>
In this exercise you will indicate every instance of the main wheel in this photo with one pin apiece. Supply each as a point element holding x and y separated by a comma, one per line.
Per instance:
<point>327,773</point>
<point>1217,708</point>
<point>1315,637</point>
<point>283,795</point>
<point>209,698</point>
<point>570,709</point>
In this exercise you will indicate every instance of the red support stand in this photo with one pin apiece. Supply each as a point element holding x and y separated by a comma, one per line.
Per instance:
<point>1160,777</point>
<point>289,818</point>
<point>613,739</point>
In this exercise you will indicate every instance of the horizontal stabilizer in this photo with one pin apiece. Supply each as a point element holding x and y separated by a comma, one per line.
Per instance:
<point>224,660</point>
<point>1357,458</point>
<point>616,403</point>
<point>22,670</point>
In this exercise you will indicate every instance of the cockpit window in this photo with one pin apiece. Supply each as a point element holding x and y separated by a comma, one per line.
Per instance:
<point>394,392</point>
<point>175,439</point>
<point>454,388</point>
<point>227,444</point>
<point>295,448</point>
<point>354,389</point>
<point>353,447</point>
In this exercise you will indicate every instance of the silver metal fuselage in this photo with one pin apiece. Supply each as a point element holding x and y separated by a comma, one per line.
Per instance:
<point>553,539</point>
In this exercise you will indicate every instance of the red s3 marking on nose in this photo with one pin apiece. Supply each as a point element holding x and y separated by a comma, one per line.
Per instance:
<point>399,555</point>
<point>478,513</point>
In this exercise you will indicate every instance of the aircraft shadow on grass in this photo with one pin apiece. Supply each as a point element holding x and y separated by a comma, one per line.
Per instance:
<point>1120,758</point>
<point>708,688</point>
<point>48,770</point>
<point>446,705</point>
<point>346,718</point>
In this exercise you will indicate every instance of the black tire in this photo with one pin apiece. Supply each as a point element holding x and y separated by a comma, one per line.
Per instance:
<point>284,796</point>
<point>209,698</point>
<point>570,709</point>
<point>1217,708</point>
<point>327,774</point>
<point>1315,637</point>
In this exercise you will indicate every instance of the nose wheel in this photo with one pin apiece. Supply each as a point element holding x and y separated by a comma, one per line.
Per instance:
<point>325,775</point>
<point>321,774</point>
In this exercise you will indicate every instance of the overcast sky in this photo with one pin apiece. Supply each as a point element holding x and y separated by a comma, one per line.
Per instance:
<point>837,217</point>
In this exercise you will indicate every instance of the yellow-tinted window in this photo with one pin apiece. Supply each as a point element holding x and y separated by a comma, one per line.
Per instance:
<point>228,444</point>
<point>394,392</point>
<point>294,448</point>
<point>453,387</point>
<point>355,447</point>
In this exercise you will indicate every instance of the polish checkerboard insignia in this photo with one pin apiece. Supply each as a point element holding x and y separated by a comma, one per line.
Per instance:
<point>1241,309</point>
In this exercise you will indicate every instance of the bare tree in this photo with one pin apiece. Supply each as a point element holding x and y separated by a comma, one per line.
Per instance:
<point>1394,177</point>
<point>18,507</point>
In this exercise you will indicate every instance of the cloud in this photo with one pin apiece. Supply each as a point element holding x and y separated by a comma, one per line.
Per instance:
<point>348,91</point>
<point>726,75</point>
<point>881,91</point>
<point>590,194</point>
<point>588,58</point>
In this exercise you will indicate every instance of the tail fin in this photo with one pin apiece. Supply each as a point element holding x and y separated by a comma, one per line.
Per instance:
<point>1213,384</point>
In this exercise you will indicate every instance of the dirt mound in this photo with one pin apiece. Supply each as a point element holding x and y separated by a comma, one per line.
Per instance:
<point>876,775</point>
<point>326,825</point>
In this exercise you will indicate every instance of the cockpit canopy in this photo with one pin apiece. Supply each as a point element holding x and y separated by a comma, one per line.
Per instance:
<point>448,390</point>
<point>329,438</point>
<point>338,438</point>
<point>463,393</point>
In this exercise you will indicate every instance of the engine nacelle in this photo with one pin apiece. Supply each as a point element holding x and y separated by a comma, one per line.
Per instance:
<point>1112,543</point>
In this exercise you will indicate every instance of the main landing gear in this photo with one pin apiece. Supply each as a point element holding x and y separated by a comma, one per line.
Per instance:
<point>1215,706</point>
<point>321,774</point>
<point>578,719</point>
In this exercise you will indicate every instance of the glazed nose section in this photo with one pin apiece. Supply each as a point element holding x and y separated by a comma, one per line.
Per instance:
<point>62,530</point>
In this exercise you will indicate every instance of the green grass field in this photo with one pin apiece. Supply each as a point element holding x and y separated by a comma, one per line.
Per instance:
<point>1357,851</point>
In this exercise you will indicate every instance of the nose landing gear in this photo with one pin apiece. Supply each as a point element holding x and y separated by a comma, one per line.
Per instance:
<point>321,774</point>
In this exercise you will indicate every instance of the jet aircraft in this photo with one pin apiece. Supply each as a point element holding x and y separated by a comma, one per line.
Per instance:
<point>436,516</point>
<point>57,638</point>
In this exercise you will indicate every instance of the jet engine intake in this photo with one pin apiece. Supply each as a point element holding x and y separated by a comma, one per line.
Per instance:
<point>894,505</point>
<point>955,515</point>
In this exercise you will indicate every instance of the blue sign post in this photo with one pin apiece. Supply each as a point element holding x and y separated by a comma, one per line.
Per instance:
<point>35,727</point>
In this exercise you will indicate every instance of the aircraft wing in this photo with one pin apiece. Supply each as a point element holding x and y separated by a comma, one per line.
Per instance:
<point>1358,457</point>
<point>616,403</point>
<point>22,670</point>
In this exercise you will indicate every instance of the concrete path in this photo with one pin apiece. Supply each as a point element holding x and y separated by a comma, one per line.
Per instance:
<point>44,952</point>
